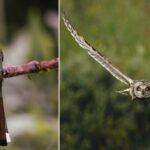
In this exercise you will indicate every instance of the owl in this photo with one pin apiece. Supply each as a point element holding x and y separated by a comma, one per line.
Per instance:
<point>138,89</point>
<point>4,134</point>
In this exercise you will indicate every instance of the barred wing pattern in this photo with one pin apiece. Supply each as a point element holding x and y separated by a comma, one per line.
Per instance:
<point>97,55</point>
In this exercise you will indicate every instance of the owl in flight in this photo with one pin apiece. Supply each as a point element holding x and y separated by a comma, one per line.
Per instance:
<point>138,89</point>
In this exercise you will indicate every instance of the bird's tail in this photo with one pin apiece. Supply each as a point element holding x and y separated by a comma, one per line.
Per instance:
<point>4,135</point>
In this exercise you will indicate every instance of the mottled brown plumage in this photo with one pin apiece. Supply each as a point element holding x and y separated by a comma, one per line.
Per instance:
<point>4,135</point>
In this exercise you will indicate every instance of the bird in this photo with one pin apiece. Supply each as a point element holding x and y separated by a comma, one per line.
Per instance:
<point>4,134</point>
<point>137,89</point>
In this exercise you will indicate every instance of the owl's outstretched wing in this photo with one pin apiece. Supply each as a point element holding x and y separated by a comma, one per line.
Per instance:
<point>97,55</point>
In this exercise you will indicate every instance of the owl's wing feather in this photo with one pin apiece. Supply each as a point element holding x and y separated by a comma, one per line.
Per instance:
<point>97,55</point>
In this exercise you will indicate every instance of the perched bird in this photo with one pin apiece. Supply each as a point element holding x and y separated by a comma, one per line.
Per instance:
<point>138,89</point>
<point>4,135</point>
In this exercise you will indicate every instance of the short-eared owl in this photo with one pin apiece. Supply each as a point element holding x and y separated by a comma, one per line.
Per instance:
<point>138,89</point>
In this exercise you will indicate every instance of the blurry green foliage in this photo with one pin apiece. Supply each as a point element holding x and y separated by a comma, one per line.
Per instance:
<point>46,139</point>
<point>93,116</point>
<point>41,41</point>
<point>20,9</point>
<point>45,107</point>
<point>29,17</point>
<point>43,48</point>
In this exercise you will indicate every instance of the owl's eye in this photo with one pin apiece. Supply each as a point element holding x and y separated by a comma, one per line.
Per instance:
<point>138,88</point>
<point>147,88</point>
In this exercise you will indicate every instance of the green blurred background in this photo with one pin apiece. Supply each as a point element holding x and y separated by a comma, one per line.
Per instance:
<point>28,31</point>
<point>93,116</point>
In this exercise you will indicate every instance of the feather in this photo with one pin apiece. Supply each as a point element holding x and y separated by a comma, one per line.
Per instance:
<point>97,55</point>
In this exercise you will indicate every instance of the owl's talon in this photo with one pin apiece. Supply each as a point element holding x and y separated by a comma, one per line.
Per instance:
<point>124,92</point>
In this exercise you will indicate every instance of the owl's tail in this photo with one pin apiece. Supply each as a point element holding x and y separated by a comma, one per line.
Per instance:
<point>4,135</point>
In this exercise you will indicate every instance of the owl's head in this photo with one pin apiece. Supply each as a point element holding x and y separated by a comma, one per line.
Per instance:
<point>142,89</point>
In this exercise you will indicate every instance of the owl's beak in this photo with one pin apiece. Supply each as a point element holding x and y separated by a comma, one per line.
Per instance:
<point>124,92</point>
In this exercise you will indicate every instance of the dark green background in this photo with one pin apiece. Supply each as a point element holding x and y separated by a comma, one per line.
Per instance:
<point>93,116</point>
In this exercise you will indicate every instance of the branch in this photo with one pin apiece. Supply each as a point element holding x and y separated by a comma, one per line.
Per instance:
<point>31,67</point>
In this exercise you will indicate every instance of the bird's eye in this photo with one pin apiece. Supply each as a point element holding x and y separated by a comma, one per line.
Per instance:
<point>147,88</point>
<point>138,88</point>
